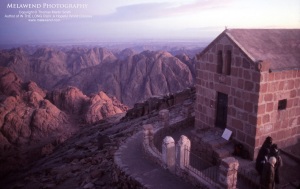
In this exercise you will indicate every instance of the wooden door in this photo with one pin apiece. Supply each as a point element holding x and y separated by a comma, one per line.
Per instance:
<point>222,106</point>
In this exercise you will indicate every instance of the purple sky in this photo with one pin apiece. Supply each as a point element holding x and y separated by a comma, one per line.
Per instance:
<point>115,20</point>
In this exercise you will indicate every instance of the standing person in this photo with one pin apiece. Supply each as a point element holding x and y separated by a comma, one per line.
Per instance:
<point>275,152</point>
<point>263,155</point>
<point>268,174</point>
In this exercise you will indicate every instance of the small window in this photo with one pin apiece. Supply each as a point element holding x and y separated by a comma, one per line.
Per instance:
<point>220,62</point>
<point>228,63</point>
<point>282,104</point>
<point>224,66</point>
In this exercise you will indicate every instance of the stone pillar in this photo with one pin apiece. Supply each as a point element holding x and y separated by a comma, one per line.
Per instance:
<point>187,109</point>
<point>168,153</point>
<point>183,152</point>
<point>228,173</point>
<point>164,117</point>
<point>148,134</point>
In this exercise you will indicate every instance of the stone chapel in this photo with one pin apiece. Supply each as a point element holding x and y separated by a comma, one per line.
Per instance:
<point>248,81</point>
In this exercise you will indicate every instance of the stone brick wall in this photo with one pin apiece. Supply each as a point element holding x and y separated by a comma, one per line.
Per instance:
<point>282,125</point>
<point>253,95</point>
<point>241,86</point>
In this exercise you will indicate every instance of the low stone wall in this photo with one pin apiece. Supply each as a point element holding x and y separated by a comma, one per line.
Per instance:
<point>154,104</point>
<point>153,148</point>
<point>167,131</point>
<point>126,181</point>
<point>148,146</point>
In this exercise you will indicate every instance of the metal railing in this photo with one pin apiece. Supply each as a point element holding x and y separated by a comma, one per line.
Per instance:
<point>202,168</point>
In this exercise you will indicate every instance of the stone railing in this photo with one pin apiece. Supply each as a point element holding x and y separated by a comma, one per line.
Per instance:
<point>176,158</point>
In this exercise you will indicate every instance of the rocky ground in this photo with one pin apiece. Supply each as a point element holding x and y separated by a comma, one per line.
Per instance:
<point>42,144</point>
<point>83,161</point>
<point>86,160</point>
<point>33,122</point>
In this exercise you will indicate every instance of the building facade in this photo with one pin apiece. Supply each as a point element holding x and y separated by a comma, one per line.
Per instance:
<point>248,81</point>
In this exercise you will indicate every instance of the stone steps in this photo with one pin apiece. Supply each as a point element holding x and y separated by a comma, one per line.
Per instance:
<point>211,146</point>
<point>247,175</point>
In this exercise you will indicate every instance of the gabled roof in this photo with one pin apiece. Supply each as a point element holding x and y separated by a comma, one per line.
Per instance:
<point>280,47</point>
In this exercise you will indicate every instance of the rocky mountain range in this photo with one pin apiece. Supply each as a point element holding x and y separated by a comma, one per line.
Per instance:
<point>49,94</point>
<point>128,75</point>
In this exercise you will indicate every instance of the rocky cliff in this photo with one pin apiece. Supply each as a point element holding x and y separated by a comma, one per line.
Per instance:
<point>26,115</point>
<point>90,109</point>
<point>33,121</point>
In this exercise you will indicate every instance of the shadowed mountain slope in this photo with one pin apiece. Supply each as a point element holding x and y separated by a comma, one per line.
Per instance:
<point>128,75</point>
<point>136,77</point>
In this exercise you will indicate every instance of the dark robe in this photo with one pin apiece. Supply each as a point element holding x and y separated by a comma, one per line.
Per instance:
<point>262,158</point>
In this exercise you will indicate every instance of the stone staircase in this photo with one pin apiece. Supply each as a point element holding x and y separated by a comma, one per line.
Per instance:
<point>209,145</point>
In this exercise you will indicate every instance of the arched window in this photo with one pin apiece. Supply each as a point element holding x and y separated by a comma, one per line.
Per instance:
<point>220,62</point>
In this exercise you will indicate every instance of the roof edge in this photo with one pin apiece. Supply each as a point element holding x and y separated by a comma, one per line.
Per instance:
<point>209,45</point>
<point>241,47</point>
<point>284,69</point>
<point>231,38</point>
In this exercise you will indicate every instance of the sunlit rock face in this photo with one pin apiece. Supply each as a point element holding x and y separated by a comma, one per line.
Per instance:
<point>90,109</point>
<point>100,106</point>
<point>34,122</point>
<point>26,115</point>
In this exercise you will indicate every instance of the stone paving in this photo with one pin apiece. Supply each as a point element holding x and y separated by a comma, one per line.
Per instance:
<point>132,159</point>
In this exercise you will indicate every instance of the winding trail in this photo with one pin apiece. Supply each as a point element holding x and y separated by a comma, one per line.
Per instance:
<point>131,158</point>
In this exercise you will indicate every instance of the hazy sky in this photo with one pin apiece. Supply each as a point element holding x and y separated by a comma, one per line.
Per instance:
<point>113,20</point>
